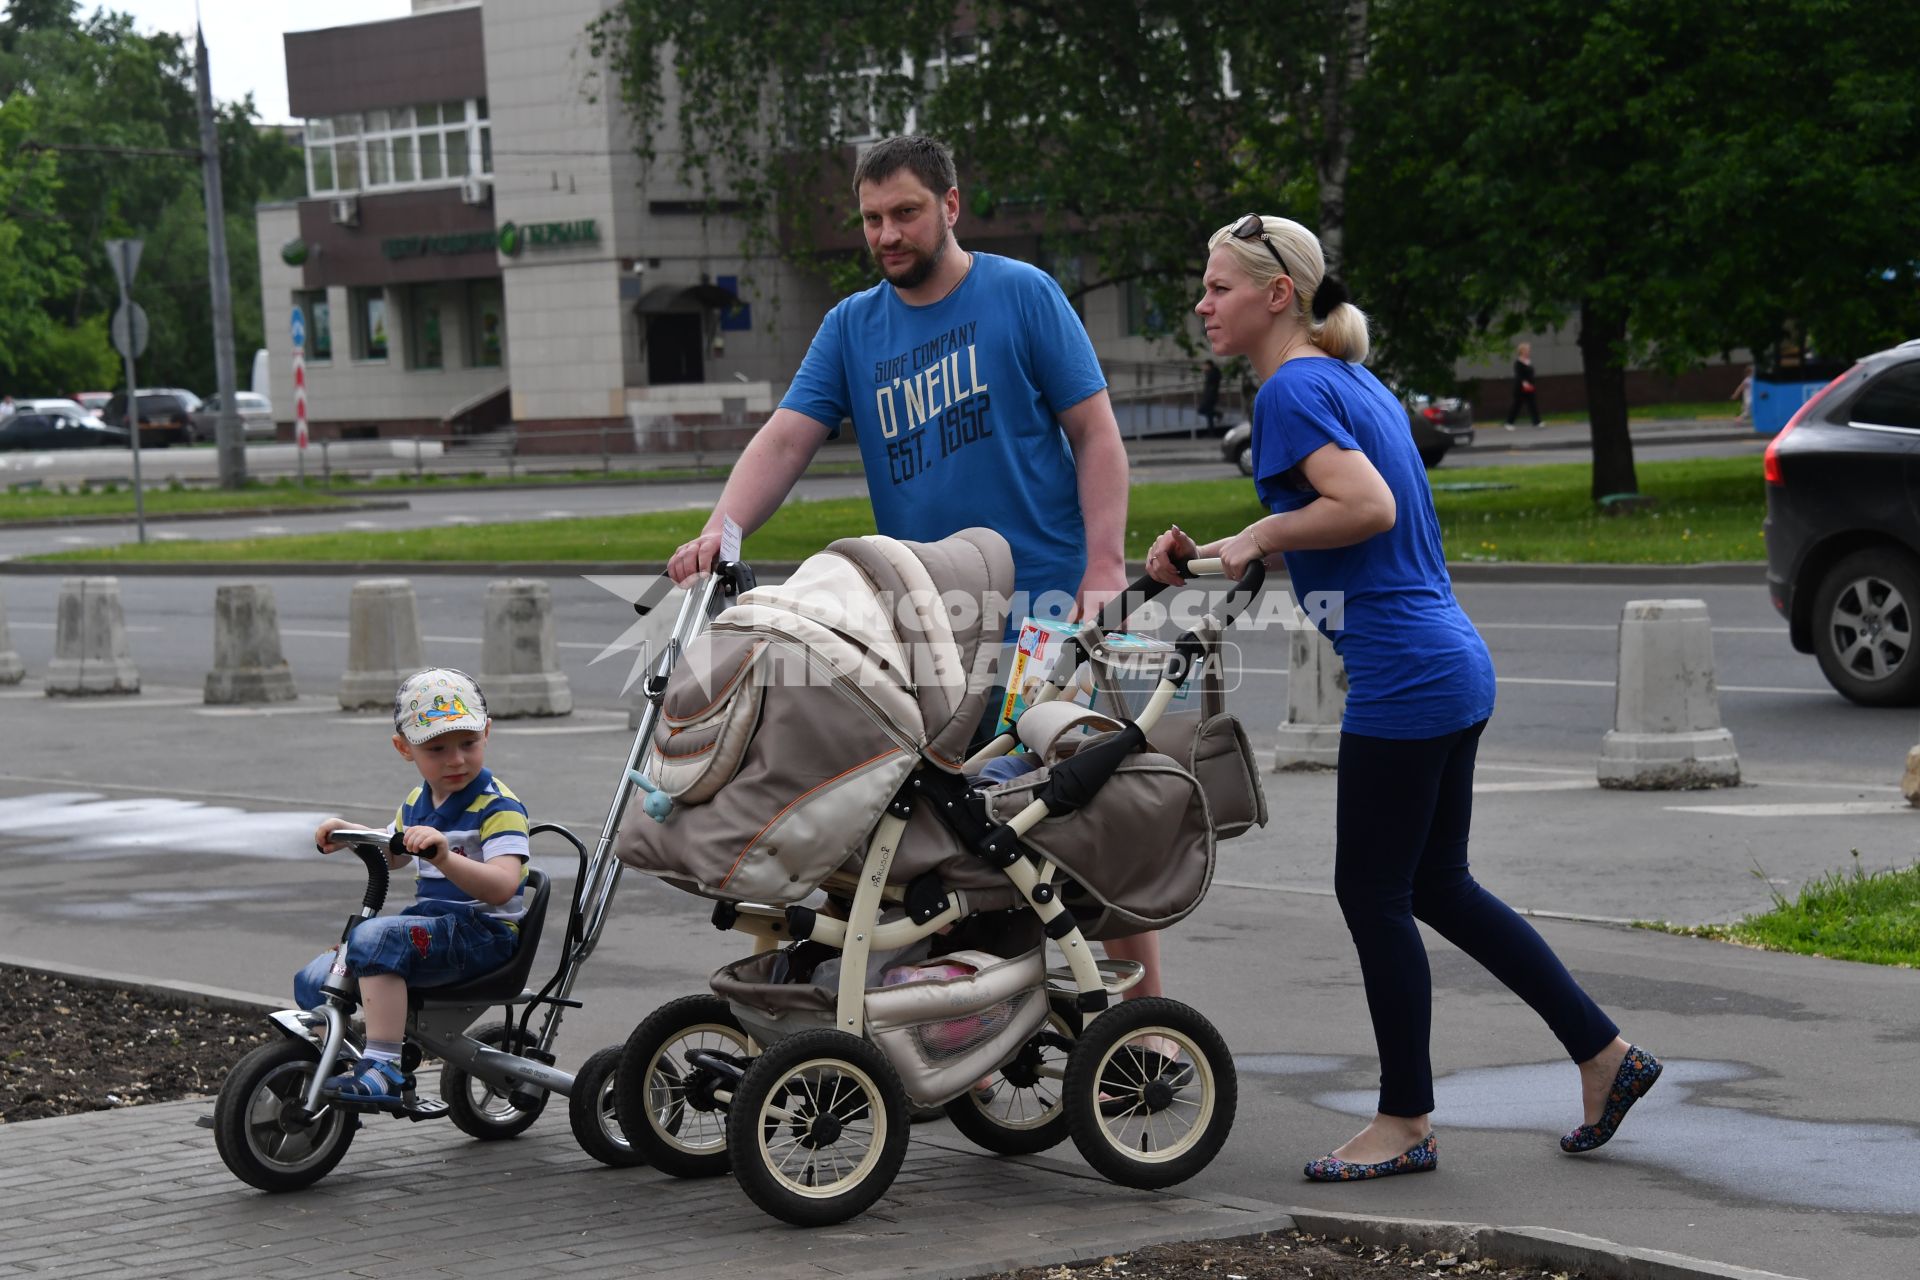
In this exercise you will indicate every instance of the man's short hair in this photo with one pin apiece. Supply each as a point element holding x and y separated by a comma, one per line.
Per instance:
<point>925,158</point>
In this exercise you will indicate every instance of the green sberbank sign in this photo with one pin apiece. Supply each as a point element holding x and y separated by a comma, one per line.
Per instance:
<point>509,239</point>
<point>547,235</point>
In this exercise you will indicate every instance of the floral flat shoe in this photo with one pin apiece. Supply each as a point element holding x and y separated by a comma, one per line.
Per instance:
<point>1638,1070</point>
<point>1419,1159</point>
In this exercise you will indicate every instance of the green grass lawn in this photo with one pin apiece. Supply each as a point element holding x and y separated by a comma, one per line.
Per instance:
<point>117,500</point>
<point>1710,509</point>
<point>49,504</point>
<point>1844,915</point>
<point>1670,411</point>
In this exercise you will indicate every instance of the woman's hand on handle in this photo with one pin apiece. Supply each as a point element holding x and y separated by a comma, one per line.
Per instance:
<point>1172,545</point>
<point>1239,551</point>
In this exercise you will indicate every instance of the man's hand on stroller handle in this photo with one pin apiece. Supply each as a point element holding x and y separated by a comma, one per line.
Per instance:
<point>694,558</point>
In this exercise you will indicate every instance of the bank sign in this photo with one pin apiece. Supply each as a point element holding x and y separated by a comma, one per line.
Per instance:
<point>510,239</point>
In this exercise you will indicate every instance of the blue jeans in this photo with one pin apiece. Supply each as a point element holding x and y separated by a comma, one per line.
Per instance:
<point>430,944</point>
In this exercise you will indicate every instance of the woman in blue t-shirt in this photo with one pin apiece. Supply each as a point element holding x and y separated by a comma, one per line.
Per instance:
<point>1352,516</point>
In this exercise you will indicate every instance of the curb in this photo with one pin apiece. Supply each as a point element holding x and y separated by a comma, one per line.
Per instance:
<point>181,517</point>
<point>1643,438</point>
<point>1525,1246</point>
<point>1713,573</point>
<point>191,992</point>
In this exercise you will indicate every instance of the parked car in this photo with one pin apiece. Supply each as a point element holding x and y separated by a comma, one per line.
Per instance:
<point>1843,530</point>
<point>38,431</point>
<point>1438,423</point>
<point>256,416</point>
<point>166,415</point>
<point>70,410</point>
<point>93,401</point>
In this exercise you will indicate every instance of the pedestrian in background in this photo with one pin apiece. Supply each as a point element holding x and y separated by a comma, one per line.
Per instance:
<point>1523,389</point>
<point>1352,516</point>
<point>1210,396</point>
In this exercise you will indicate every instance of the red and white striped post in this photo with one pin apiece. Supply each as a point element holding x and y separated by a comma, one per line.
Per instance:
<point>300,409</point>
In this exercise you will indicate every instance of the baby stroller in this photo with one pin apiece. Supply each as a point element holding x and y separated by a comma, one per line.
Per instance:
<point>813,740</point>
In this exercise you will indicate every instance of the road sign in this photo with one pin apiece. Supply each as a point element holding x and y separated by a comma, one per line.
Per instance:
<point>130,330</point>
<point>299,329</point>
<point>124,256</point>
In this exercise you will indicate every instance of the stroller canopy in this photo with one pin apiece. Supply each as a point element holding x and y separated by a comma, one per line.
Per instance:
<point>909,628</point>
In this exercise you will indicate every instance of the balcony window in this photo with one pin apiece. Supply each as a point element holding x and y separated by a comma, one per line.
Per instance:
<point>393,148</point>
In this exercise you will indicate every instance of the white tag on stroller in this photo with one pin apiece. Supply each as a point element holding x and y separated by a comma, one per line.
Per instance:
<point>729,540</point>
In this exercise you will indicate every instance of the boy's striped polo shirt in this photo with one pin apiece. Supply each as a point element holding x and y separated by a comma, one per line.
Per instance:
<point>483,820</point>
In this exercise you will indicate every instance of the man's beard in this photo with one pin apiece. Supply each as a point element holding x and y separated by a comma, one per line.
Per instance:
<point>921,269</point>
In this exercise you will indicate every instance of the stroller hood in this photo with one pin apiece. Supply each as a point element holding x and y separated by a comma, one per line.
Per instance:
<point>789,724</point>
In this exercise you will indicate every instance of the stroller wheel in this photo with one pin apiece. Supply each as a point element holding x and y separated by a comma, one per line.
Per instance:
<point>483,1110</point>
<point>818,1128</point>
<point>259,1125</point>
<point>1023,1110</point>
<point>1150,1093</point>
<point>667,1105</point>
<point>592,1112</point>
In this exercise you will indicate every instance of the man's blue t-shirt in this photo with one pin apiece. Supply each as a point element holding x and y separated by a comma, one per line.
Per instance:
<point>1416,668</point>
<point>956,407</point>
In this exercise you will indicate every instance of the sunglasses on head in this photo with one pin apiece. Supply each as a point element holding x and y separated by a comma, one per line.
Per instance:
<point>1252,228</point>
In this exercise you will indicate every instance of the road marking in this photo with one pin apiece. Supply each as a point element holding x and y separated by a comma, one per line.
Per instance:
<point>1570,684</point>
<point>269,528</point>
<point>1557,784</point>
<point>312,634</point>
<point>49,626</point>
<point>123,703</point>
<point>74,539</point>
<point>562,728</point>
<point>362,524</point>
<point>1614,627</point>
<point>1608,684</point>
<point>1843,809</point>
<point>165,535</point>
<point>269,711</point>
<point>461,519</point>
<point>1315,891</point>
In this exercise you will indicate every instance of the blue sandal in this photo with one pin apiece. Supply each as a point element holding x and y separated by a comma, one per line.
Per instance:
<point>1423,1158</point>
<point>1638,1070</point>
<point>374,1083</point>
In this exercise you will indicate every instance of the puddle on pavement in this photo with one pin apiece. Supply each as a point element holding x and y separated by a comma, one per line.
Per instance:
<point>1859,1168</point>
<point>79,824</point>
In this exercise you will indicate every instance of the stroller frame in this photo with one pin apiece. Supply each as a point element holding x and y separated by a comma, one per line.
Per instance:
<point>1084,989</point>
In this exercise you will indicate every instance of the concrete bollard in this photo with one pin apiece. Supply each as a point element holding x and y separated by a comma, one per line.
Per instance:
<point>90,641</point>
<point>383,643</point>
<point>248,665</point>
<point>12,670</point>
<point>519,671</point>
<point>1666,723</point>
<point>1316,699</point>
<point>1910,780</point>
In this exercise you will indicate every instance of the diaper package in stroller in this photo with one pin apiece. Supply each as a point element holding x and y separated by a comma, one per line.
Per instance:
<point>813,740</point>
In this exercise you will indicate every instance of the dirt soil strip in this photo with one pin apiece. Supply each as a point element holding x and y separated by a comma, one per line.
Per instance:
<point>1291,1255</point>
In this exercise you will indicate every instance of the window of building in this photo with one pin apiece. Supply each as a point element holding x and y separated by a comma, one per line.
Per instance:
<point>423,328</point>
<point>1143,318</point>
<point>313,304</point>
<point>486,324</point>
<point>425,144</point>
<point>369,312</point>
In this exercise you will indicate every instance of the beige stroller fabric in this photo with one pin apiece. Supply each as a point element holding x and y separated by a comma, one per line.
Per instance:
<point>793,720</point>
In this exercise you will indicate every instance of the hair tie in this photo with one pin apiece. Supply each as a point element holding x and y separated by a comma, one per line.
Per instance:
<point>1329,295</point>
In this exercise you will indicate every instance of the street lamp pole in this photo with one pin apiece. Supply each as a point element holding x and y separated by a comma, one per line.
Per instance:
<point>231,444</point>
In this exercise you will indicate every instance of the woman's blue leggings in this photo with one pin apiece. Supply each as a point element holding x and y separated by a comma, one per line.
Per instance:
<point>1403,812</point>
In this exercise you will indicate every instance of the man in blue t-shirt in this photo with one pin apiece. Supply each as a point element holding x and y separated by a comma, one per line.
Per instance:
<point>976,399</point>
<point>974,392</point>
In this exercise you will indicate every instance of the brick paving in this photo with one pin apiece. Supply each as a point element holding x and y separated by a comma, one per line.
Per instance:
<point>142,1192</point>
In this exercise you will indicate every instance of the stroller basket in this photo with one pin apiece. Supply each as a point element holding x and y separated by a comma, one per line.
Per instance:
<point>940,1035</point>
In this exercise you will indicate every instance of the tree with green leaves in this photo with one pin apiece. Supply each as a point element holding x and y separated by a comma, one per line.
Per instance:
<point>1680,177</point>
<point>100,85</point>
<point>1118,135</point>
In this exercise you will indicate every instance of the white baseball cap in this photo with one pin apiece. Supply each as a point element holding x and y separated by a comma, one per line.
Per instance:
<point>436,701</point>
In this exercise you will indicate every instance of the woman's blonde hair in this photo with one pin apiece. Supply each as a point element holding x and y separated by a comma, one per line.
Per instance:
<point>1343,333</point>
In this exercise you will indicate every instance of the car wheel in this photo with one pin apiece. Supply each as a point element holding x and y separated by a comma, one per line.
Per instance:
<point>1866,620</point>
<point>1244,459</point>
<point>1431,458</point>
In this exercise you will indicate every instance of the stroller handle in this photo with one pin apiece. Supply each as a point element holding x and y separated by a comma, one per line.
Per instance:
<point>1113,614</point>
